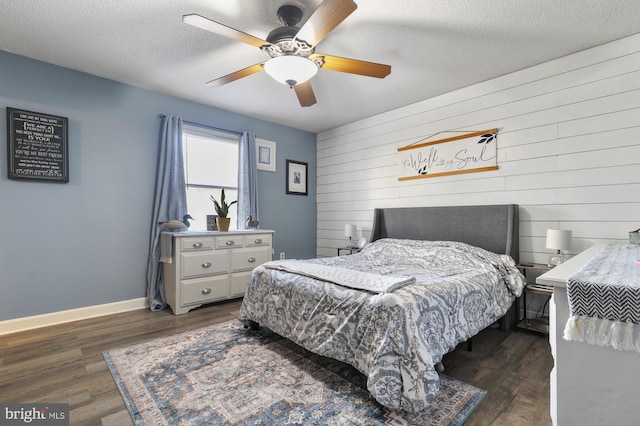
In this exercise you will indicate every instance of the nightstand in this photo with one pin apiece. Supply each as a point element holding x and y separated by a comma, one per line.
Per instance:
<point>350,249</point>
<point>538,325</point>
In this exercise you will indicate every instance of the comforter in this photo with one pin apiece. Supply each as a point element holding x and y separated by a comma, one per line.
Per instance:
<point>394,338</point>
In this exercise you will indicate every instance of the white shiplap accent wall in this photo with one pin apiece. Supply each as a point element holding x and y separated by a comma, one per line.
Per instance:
<point>568,152</point>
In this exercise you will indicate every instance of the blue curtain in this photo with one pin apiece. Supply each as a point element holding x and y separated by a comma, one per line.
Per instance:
<point>170,202</point>
<point>247,179</point>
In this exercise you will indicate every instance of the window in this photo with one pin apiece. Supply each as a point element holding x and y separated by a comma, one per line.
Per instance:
<point>210,164</point>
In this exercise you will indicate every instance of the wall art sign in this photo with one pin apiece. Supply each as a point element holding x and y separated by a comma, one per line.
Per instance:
<point>474,151</point>
<point>37,146</point>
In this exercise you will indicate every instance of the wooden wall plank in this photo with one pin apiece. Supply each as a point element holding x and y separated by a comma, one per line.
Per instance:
<point>568,152</point>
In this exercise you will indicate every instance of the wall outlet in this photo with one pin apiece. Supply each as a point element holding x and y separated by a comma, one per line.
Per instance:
<point>281,255</point>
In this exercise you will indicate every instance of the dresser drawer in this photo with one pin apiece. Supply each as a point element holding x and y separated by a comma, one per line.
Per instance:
<point>191,244</point>
<point>257,240</point>
<point>239,283</point>
<point>202,290</point>
<point>200,264</point>
<point>247,259</point>
<point>229,242</point>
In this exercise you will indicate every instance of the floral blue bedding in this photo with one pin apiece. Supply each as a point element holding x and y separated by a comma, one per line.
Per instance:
<point>394,338</point>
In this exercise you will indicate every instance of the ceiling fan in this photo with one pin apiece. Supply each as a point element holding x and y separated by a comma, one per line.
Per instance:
<point>293,60</point>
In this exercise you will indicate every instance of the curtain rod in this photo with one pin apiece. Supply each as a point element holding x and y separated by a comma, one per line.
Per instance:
<point>207,126</point>
<point>212,127</point>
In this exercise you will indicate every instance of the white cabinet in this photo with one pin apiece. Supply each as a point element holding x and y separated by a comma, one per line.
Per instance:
<point>211,266</point>
<point>590,385</point>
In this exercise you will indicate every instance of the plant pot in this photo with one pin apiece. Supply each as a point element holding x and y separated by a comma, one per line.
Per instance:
<point>223,223</point>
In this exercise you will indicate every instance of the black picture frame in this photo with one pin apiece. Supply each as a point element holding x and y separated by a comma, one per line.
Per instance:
<point>297,177</point>
<point>37,146</point>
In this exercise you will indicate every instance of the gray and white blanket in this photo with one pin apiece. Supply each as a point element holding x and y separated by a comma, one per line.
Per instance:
<point>395,338</point>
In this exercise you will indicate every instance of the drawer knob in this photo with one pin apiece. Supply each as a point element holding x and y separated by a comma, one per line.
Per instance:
<point>230,242</point>
<point>206,265</point>
<point>257,241</point>
<point>197,245</point>
<point>206,290</point>
<point>251,259</point>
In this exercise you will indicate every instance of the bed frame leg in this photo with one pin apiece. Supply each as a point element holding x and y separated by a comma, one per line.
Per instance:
<point>470,344</point>
<point>251,325</point>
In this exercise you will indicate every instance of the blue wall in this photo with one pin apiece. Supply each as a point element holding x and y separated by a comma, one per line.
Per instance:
<point>85,243</point>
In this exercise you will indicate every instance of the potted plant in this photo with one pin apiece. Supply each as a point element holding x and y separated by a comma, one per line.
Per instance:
<point>222,209</point>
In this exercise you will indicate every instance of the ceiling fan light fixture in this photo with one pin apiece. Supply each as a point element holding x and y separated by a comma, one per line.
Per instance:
<point>290,69</point>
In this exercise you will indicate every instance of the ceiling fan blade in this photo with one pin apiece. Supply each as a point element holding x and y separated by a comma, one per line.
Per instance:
<point>237,75</point>
<point>352,66</point>
<point>223,30</point>
<point>326,17</point>
<point>305,94</point>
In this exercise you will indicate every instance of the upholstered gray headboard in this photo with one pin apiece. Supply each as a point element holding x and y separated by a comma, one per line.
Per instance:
<point>492,227</point>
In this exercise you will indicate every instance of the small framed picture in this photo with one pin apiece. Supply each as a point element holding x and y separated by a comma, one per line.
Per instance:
<point>296,177</point>
<point>266,155</point>
<point>211,222</point>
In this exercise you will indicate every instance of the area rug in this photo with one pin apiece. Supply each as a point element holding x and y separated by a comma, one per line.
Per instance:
<point>226,375</point>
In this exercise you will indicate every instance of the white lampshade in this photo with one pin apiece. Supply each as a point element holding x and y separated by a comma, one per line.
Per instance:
<point>350,231</point>
<point>558,239</point>
<point>290,69</point>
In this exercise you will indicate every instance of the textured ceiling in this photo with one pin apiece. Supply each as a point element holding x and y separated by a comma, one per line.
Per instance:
<point>433,46</point>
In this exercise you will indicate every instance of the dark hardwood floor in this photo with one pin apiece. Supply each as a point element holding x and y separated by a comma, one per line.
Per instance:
<point>64,363</point>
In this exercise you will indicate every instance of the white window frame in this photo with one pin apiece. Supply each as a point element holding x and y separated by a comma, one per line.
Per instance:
<point>200,223</point>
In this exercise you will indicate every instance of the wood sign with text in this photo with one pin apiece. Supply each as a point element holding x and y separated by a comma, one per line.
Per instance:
<point>468,153</point>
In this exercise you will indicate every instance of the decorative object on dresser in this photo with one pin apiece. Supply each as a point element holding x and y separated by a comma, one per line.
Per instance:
<point>350,233</point>
<point>212,224</point>
<point>558,239</point>
<point>251,223</point>
<point>205,267</point>
<point>222,209</point>
<point>174,224</point>
<point>224,374</point>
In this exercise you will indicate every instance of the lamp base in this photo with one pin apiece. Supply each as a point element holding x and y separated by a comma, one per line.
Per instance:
<point>350,243</point>
<point>556,259</point>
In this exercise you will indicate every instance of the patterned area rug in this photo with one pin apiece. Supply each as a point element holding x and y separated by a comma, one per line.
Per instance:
<point>226,375</point>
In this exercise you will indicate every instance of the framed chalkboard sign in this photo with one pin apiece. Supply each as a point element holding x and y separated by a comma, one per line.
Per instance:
<point>37,146</point>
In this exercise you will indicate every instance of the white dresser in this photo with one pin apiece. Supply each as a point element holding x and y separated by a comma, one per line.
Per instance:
<point>211,266</point>
<point>590,385</point>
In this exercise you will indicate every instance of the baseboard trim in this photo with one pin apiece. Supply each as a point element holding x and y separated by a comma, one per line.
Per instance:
<point>60,317</point>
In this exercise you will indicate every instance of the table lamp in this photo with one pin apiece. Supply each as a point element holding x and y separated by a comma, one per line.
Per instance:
<point>558,239</point>
<point>350,233</point>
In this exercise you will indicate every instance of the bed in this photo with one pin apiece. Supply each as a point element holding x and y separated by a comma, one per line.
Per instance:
<point>445,273</point>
